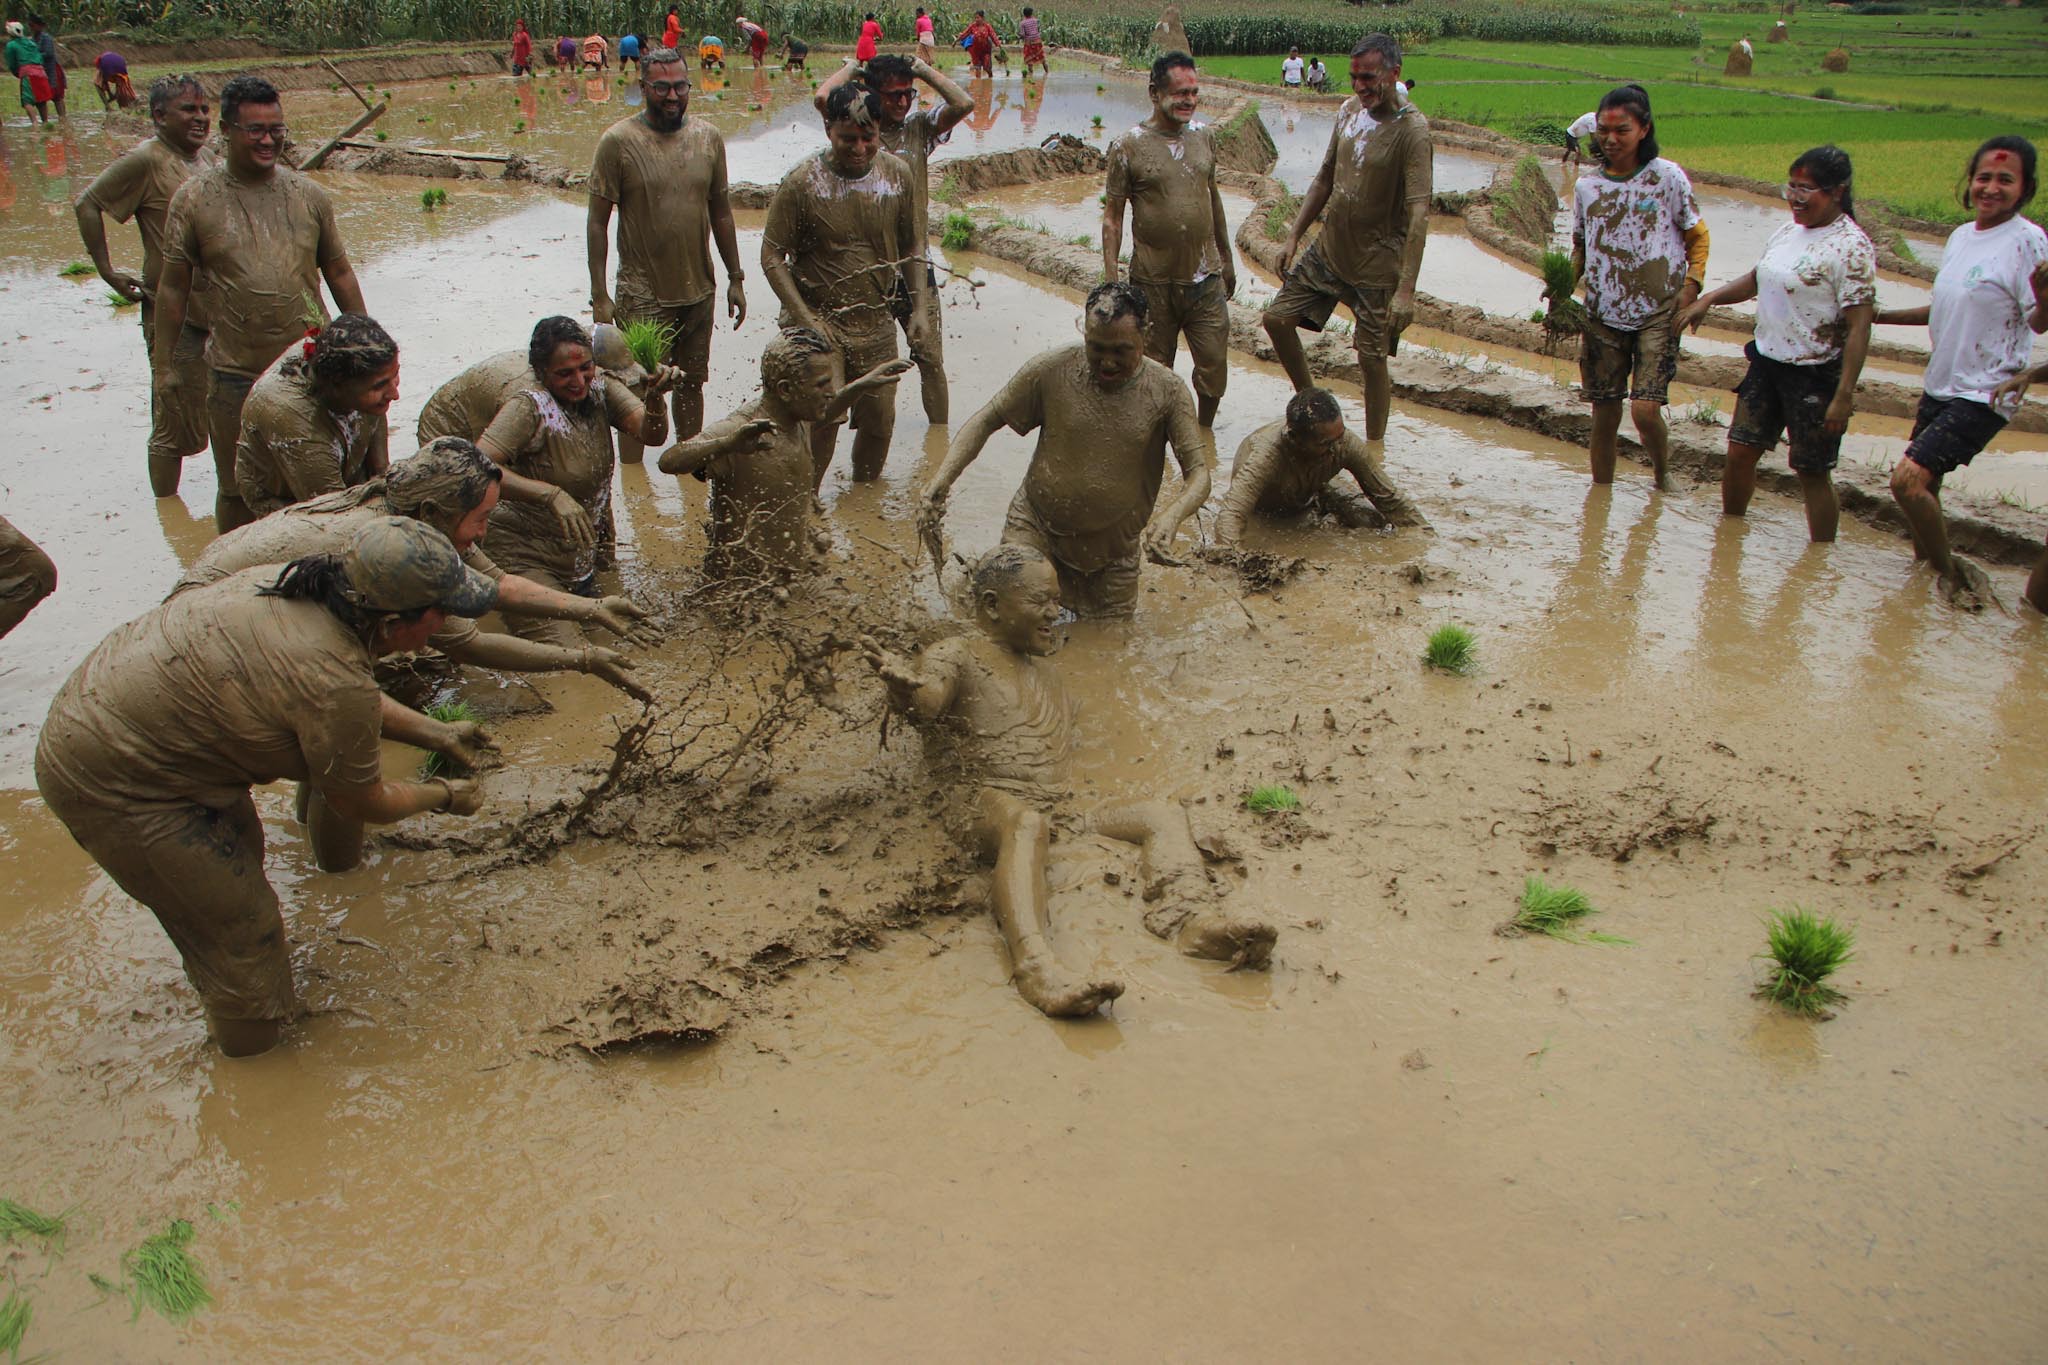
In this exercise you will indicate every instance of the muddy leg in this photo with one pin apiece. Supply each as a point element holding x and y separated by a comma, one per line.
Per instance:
<point>337,840</point>
<point>1656,439</point>
<point>1823,511</point>
<point>1379,395</point>
<point>1177,886</point>
<point>2037,584</point>
<point>1600,448</point>
<point>244,1037</point>
<point>1287,350</point>
<point>225,395</point>
<point>1020,837</point>
<point>686,404</point>
<point>1205,410</point>
<point>1918,494</point>
<point>874,425</point>
<point>1738,478</point>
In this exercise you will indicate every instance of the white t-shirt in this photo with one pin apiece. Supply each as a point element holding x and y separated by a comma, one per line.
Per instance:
<point>1634,232</point>
<point>1290,71</point>
<point>1806,279</point>
<point>1583,125</point>
<point>1982,296</point>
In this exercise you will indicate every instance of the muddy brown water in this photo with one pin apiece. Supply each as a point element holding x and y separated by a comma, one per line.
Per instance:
<point>1411,1131</point>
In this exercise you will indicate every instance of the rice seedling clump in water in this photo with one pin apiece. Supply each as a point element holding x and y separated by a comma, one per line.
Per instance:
<point>1805,950</point>
<point>1555,911</point>
<point>437,763</point>
<point>19,1220</point>
<point>14,1315</point>
<point>1271,800</point>
<point>162,1274</point>
<point>959,234</point>
<point>76,268</point>
<point>1451,649</point>
<point>649,341</point>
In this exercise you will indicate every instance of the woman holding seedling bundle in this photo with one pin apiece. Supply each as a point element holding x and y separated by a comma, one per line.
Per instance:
<point>1816,292</point>
<point>1990,299</point>
<point>1640,247</point>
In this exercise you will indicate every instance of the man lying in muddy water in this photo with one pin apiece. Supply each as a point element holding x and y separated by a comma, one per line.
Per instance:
<point>314,421</point>
<point>665,174</point>
<point>758,458</point>
<point>1375,182</point>
<point>1292,466</point>
<point>997,714</point>
<point>1165,169</point>
<point>844,252</point>
<point>139,185</point>
<point>263,236</point>
<point>914,134</point>
<point>1104,412</point>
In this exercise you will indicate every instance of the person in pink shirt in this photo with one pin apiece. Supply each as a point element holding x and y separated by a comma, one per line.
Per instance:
<point>927,39</point>
<point>870,38</point>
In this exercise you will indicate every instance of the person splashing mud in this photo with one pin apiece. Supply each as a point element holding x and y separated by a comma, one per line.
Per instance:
<point>1104,413</point>
<point>759,457</point>
<point>1291,466</point>
<point>998,715</point>
<point>315,421</point>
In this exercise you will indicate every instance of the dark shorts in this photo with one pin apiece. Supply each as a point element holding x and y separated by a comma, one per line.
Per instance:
<point>1948,433</point>
<point>1201,313</point>
<point>1312,292</point>
<point>1615,363</point>
<point>1775,397</point>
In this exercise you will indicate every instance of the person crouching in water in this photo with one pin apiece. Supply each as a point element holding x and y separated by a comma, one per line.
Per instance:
<point>314,422</point>
<point>153,743</point>
<point>1292,466</point>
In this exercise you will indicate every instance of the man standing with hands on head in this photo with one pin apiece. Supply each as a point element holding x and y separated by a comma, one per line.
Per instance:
<point>1375,181</point>
<point>665,173</point>
<point>264,236</point>
<point>1165,169</point>
<point>139,185</point>
<point>913,134</point>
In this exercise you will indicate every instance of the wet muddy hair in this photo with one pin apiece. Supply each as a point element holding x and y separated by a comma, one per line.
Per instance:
<point>1113,299</point>
<point>349,349</point>
<point>1002,567</point>
<point>446,481</point>
<point>549,336</point>
<point>855,104</point>
<point>164,89</point>
<point>1383,43</point>
<point>1163,66</point>
<point>1830,169</point>
<point>1311,408</point>
<point>1635,101</point>
<point>889,66</point>
<point>245,90</point>
<point>323,579</point>
<point>2004,142</point>
<point>663,56</point>
<point>792,351</point>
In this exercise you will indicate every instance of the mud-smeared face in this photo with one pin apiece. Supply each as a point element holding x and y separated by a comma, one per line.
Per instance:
<point>570,373</point>
<point>1997,184</point>
<point>1619,133</point>
<point>374,393</point>
<point>1024,616</point>
<point>1372,80</point>
<point>666,90</point>
<point>255,135</point>
<point>1116,349</point>
<point>406,637</point>
<point>1812,206</point>
<point>1175,101</point>
<point>467,532</point>
<point>809,399</point>
<point>897,95</point>
<point>186,120</point>
<point>853,146</point>
<point>1318,441</point>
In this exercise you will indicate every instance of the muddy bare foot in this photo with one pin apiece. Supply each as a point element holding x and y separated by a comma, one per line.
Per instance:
<point>1661,480</point>
<point>1238,940</point>
<point>1968,586</point>
<point>1060,994</point>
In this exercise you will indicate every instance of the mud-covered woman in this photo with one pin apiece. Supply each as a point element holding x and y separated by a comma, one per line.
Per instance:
<point>1816,292</point>
<point>153,743</point>
<point>314,421</point>
<point>1990,301</point>
<point>1639,246</point>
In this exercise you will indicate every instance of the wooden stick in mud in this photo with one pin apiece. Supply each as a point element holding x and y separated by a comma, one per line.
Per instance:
<point>345,81</point>
<point>314,162</point>
<point>498,158</point>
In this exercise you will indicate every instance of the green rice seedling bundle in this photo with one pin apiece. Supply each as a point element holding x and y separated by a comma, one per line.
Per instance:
<point>117,299</point>
<point>75,269</point>
<point>959,233</point>
<point>1805,950</point>
<point>14,1315</point>
<point>1271,800</point>
<point>438,764</point>
<point>1567,316</point>
<point>162,1275</point>
<point>431,199</point>
<point>1451,649</point>
<point>649,341</point>
<point>1555,912</point>
<point>19,1220</point>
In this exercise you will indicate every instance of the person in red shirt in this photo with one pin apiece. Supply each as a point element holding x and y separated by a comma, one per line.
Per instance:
<point>757,39</point>
<point>870,39</point>
<point>981,44</point>
<point>522,49</point>
<point>672,31</point>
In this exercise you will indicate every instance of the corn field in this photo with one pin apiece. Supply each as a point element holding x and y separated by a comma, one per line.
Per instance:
<point>356,22</point>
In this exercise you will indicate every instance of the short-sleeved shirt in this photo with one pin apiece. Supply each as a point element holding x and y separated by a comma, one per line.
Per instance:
<point>112,64</point>
<point>761,500</point>
<point>1101,455</point>
<point>215,691</point>
<point>1169,183</point>
<point>1377,170</point>
<point>1027,29</point>
<point>1583,125</point>
<point>594,47</point>
<point>844,239</point>
<point>1290,71</point>
<point>262,246</point>
<point>568,447</point>
<point>1805,280</point>
<point>139,184</point>
<point>466,404</point>
<point>295,447</point>
<point>1266,475</point>
<point>1978,320</point>
<point>664,185</point>
<point>924,27</point>
<point>915,141</point>
<point>1634,233</point>
<point>629,46</point>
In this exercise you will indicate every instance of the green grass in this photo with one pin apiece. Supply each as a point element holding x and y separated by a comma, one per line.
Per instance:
<point>163,1276</point>
<point>1451,649</point>
<point>75,269</point>
<point>1271,800</point>
<point>649,341</point>
<point>959,233</point>
<point>14,1315</point>
<point>1555,911</point>
<point>1805,949</point>
<point>436,763</point>
<point>431,199</point>
<point>19,1220</point>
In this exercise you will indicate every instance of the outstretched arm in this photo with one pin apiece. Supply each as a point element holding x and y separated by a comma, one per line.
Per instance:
<point>881,377</point>
<point>691,456</point>
<point>1192,448</point>
<point>923,688</point>
<point>520,596</point>
<point>597,245</point>
<point>514,655</point>
<point>1251,470</point>
<point>1735,291</point>
<point>966,447</point>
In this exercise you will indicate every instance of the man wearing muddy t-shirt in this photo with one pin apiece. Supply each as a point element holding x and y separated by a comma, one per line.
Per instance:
<point>1375,181</point>
<point>844,251</point>
<point>665,174</point>
<point>264,236</point>
<point>1291,466</point>
<point>139,185</point>
<point>913,134</point>
<point>1165,169</point>
<point>1104,412</point>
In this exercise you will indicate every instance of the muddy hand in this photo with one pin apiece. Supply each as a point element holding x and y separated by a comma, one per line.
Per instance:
<point>666,377</point>
<point>465,795</point>
<point>2040,282</point>
<point>574,521</point>
<point>2013,389</point>
<point>1837,419</point>
<point>1157,543</point>
<point>888,372</point>
<point>601,307</point>
<point>466,743</point>
<point>890,666</point>
<point>1689,316</point>
<point>735,302</point>
<point>756,436</point>
<point>1287,254</point>
<point>622,616</point>
<point>127,286</point>
<point>614,668</point>
<point>1400,313</point>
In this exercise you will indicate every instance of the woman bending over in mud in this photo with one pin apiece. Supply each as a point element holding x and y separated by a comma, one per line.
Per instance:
<point>152,745</point>
<point>1990,295</point>
<point>1640,246</point>
<point>1816,292</point>
<point>314,422</point>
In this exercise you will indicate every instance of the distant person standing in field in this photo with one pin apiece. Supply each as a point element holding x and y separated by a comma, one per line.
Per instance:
<point>982,43</point>
<point>1165,170</point>
<point>1990,300</point>
<point>672,31</point>
<point>53,68</point>
<point>2010,392</point>
<point>139,185</point>
<point>522,49</point>
<point>665,173</point>
<point>927,40</point>
<point>1639,245</point>
<point>25,63</point>
<point>1032,36</point>
<point>1376,182</point>
<point>870,41</point>
<point>1292,70</point>
<point>1816,292</point>
<point>1578,135</point>
<point>263,237</point>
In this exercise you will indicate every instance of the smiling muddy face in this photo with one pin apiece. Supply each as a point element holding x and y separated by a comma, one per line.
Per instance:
<point>1020,609</point>
<point>2001,180</point>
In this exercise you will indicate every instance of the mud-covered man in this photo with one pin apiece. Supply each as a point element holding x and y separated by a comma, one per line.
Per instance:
<point>758,458</point>
<point>139,185</point>
<point>844,251</point>
<point>998,714</point>
<point>1292,466</point>
<point>914,134</point>
<point>1375,182</point>
<point>1165,170</point>
<point>263,236</point>
<point>665,174</point>
<point>1104,412</point>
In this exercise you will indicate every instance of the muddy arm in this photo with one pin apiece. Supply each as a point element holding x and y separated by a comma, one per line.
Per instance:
<point>1250,471</point>
<point>726,238</point>
<point>400,722</point>
<point>511,654</point>
<point>966,447</point>
<point>1223,249</point>
<point>382,803</point>
<point>597,245</point>
<point>173,292</point>
<point>1735,291</point>
<point>845,73</point>
<point>521,596</point>
<point>1855,349</point>
<point>775,258</point>
<point>882,376</point>
<point>92,230</point>
<point>1112,234</point>
<point>1379,490</point>
<point>959,104</point>
<point>923,688</point>
<point>343,285</point>
<point>1197,457</point>
<point>1311,209</point>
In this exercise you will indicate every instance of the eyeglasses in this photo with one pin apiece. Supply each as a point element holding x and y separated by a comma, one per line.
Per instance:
<point>262,132</point>
<point>1799,194</point>
<point>668,87</point>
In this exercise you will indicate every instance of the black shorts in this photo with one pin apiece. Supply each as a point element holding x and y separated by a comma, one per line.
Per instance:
<point>1948,433</point>
<point>1775,397</point>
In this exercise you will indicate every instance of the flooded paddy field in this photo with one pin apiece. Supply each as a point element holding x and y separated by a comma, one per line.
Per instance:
<point>1507,1146</point>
